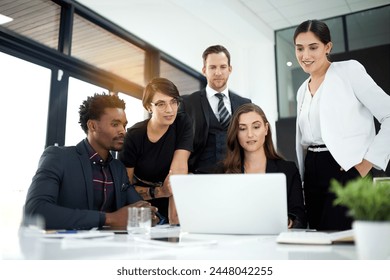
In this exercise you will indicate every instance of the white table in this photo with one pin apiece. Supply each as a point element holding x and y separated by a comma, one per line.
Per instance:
<point>190,247</point>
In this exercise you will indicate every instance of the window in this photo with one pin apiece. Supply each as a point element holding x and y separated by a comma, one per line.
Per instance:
<point>23,119</point>
<point>185,83</point>
<point>103,49</point>
<point>78,92</point>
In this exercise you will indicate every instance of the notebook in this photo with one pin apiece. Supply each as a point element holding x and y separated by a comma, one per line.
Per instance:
<point>316,237</point>
<point>231,203</point>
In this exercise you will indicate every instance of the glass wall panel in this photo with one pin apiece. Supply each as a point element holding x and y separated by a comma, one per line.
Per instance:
<point>286,64</point>
<point>336,31</point>
<point>369,28</point>
<point>23,119</point>
<point>185,83</point>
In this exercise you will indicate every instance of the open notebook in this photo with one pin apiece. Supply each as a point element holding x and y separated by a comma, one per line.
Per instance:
<point>231,203</point>
<point>315,237</point>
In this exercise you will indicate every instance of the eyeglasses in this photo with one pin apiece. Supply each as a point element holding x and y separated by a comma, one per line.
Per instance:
<point>162,105</point>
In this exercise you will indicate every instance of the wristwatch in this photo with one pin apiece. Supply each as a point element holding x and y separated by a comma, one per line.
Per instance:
<point>151,192</point>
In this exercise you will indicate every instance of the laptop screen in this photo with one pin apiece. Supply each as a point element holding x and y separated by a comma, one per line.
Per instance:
<point>231,203</point>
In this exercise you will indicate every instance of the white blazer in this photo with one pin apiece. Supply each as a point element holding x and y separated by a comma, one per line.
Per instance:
<point>349,100</point>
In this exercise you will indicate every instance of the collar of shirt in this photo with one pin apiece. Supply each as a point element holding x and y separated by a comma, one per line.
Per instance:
<point>211,93</point>
<point>94,156</point>
<point>213,100</point>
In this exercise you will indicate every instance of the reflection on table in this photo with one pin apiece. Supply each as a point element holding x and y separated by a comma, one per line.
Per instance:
<point>168,243</point>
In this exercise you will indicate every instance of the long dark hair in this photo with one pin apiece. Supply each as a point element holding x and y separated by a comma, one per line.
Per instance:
<point>234,153</point>
<point>319,28</point>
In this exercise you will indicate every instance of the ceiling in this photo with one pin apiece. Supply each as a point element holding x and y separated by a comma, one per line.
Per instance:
<point>274,14</point>
<point>174,26</point>
<point>278,14</point>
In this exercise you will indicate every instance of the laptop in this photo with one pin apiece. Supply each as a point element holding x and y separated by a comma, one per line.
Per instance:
<point>231,203</point>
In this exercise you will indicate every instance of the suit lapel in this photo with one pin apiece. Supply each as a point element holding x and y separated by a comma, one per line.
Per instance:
<point>233,101</point>
<point>114,173</point>
<point>205,107</point>
<point>87,171</point>
<point>271,166</point>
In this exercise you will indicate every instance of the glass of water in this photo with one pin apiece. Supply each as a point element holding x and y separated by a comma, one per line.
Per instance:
<point>139,220</point>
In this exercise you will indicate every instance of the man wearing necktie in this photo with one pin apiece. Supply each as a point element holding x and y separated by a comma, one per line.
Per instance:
<point>211,109</point>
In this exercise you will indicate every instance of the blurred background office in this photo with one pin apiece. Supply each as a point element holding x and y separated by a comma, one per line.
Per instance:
<point>55,53</point>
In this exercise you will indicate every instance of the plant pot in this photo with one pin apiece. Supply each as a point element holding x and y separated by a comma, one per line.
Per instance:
<point>372,239</point>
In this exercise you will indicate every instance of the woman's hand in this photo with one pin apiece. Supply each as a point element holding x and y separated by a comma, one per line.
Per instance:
<point>290,223</point>
<point>165,190</point>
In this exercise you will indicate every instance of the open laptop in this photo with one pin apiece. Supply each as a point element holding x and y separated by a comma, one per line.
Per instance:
<point>231,203</point>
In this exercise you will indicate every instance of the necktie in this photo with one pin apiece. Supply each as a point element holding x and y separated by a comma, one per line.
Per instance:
<point>224,116</point>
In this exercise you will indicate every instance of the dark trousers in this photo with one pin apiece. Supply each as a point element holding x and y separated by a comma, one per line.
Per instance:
<point>320,168</point>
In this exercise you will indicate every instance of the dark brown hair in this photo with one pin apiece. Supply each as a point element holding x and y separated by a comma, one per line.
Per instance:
<point>215,49</point>
<point>319,28</point>
<point>162,85</point>
<point>234,159</point>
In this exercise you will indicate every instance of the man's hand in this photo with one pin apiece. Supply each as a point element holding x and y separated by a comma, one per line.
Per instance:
<point>118,219</point>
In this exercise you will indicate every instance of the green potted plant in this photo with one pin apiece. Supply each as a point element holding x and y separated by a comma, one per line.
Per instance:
<point>368,202</point>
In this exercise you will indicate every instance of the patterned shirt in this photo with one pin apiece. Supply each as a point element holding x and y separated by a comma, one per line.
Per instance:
<point>103,185</point>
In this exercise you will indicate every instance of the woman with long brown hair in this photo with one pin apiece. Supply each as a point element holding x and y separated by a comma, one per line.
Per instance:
<point>250,149</point>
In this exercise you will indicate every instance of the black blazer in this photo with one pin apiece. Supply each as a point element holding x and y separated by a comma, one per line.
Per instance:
<point>196,105</point>
<point>295,202</point>
<point>62,192</point>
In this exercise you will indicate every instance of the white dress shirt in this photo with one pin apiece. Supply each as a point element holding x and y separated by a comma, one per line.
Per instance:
<point>309,118</point>
<point>213,100</point>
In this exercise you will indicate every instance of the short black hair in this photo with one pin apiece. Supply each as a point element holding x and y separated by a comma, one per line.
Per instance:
<point>93,108</point>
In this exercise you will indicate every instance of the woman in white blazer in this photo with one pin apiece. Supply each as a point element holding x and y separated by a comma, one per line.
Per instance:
<point>335,136</point>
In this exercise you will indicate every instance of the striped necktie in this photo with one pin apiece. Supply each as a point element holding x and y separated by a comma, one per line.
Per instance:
<point>224,116</point>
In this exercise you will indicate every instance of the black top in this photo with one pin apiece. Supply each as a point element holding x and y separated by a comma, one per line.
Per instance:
<point>151,161</point>
<point>295,200</point>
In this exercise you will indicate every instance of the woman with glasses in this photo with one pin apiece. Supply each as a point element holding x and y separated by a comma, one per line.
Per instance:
<point>158,147</point>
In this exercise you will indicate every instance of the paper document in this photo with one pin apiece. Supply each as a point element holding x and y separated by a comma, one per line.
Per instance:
<point>78,234</point>
<point>315,237</point>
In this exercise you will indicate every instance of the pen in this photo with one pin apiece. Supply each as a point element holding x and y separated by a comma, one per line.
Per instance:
<point>62,231</point>
<point>161,217</point>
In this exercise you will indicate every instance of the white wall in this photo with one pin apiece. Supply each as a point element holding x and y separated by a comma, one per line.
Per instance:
<point>185,28</point>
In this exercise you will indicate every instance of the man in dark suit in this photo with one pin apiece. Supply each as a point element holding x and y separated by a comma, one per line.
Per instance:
<point>210,110</point>
<point>83,186</point>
